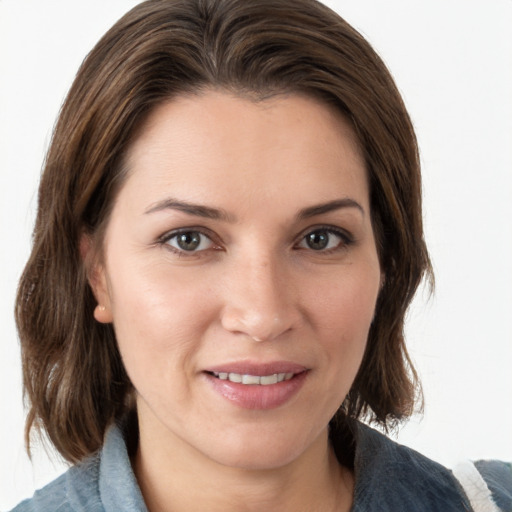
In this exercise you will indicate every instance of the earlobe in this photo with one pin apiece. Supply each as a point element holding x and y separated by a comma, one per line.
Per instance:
<point>96,276</point>
<point>102,314</point>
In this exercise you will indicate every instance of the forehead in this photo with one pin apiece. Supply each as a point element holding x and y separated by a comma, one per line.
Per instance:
<point>216,147</point>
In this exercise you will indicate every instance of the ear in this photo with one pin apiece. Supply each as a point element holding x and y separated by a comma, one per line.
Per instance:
<point>97,278</point>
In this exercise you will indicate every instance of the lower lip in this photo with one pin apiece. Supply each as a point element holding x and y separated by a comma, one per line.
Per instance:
<point>261,397</point>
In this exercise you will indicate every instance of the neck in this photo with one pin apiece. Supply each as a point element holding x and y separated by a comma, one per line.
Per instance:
<point>173,477</point>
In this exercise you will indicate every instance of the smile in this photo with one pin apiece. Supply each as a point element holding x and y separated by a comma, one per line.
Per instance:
<point>257,387</point>
<point>254,380</point>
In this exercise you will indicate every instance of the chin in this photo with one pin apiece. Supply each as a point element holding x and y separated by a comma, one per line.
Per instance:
<point>259,451</point>
<point>259,459</point>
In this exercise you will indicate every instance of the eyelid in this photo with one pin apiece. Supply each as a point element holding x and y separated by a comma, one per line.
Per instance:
<point>168,235</point>
<point>346,237</point>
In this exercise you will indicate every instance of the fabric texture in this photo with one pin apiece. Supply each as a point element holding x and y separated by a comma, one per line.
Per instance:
<point>475,487</point>
<point>102,483</point>
<point>389,478</point>
<point>498,476</point>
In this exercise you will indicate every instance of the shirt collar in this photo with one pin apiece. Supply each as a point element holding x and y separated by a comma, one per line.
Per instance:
<point>115,466</point>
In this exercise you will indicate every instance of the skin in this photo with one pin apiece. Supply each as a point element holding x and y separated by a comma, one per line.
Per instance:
<point>254,290</point>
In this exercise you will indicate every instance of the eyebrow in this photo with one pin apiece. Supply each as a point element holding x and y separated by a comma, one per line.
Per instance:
<point>197,210</point>
<point>337,204</point>
<point>208,212</point>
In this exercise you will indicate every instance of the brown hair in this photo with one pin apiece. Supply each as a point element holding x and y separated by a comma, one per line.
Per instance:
<point>73,374</point>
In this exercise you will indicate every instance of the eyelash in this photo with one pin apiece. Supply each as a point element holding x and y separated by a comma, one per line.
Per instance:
<point>346,240</point>
<point>167,237</point>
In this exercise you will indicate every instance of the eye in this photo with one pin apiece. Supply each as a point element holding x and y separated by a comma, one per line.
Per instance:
<point>189,241</point>
<point>324,239</point>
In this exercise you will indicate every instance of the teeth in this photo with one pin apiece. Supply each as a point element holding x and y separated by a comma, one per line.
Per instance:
<point>263,380</point>
<point>235,377</point>
<point>249,379</point>
<point>268,379</point>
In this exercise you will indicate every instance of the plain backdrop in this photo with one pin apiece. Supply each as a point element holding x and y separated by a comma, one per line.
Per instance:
<point>452,60</point>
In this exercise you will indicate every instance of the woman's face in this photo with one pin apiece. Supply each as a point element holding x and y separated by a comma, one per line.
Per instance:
<point>240,248</point>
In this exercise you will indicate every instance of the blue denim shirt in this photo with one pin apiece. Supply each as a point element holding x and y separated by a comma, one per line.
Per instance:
<point>389,478</point>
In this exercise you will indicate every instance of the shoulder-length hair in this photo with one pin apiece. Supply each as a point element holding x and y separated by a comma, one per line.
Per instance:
<point>74,378</point>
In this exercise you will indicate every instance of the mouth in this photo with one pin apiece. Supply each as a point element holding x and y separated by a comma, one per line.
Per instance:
<point>252,385</point>
<point>254,380</point>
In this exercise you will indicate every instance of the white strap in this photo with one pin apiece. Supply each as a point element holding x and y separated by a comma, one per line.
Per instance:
<point>476,489</point>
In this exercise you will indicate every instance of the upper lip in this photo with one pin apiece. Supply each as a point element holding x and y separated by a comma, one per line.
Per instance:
<point>257,368</point>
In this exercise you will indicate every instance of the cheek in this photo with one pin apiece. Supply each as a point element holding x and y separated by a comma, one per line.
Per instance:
<point>342,311</point>
<point>346,302</point>
<point>159,314</point>
<point>155,293</point>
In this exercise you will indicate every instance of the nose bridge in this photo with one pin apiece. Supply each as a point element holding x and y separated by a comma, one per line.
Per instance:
<point>258,299</point>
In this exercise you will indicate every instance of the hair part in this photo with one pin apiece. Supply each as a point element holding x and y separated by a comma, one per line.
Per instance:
<point>74,378</point>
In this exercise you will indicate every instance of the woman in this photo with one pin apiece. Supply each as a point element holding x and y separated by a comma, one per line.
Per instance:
<point>229,234</point>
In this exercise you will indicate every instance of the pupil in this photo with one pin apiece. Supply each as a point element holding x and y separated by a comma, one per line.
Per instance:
<point>318,240</point>
<point>189,241</point>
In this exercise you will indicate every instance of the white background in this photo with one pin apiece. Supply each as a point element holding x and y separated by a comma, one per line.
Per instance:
<point>452,60</point>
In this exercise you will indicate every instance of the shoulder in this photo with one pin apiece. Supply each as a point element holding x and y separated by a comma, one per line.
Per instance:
<point>51,497</point>
<point>75,490</point>
<point>485,480</point>
<point>392,477</point>
<point>102,483</point>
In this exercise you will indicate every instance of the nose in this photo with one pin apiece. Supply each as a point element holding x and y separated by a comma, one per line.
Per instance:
<point>259,301</point>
